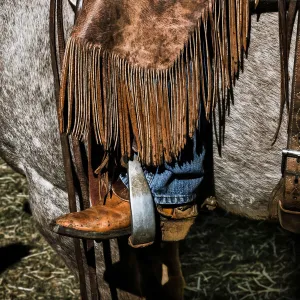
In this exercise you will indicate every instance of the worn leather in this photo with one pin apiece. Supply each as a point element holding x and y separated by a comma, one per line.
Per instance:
<point>178,212</point>
<point>289,207</point>
<point>120,189</point>
<point>289,219</point>
<point>140,52</point>
<point>141,69</point>
<point>292,172</point>
<point>114,215</point>
<point>275,197</point>
<point>148,33</point>
<point>176,222</point>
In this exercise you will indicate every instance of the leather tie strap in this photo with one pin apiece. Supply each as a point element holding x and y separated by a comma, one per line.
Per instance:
<point>289,207</point>
<point>57,48</point>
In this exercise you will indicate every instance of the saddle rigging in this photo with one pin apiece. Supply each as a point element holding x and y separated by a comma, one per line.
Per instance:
<point>288,205</point>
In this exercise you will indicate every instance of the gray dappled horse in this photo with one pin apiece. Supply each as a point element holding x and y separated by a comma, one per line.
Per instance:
<point>245,175</point>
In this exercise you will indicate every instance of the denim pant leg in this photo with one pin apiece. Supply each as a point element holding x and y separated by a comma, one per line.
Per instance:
<point>176,183</point>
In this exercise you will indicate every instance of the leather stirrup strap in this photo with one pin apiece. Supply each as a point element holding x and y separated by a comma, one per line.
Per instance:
<point>289,207</point>
<point>56,34</point>
<point>286,23</point>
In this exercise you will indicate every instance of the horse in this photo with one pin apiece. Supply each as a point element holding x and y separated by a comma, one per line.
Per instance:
<point>244,175</point>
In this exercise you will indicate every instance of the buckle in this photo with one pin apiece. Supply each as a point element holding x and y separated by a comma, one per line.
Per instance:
<point>288,153</point>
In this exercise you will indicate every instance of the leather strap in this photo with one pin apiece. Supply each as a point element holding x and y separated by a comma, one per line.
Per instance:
<point>289,207</point>
<point>284,51</point>
<point>286,20</point>
<point>291,172</point>
<point>56,33</point>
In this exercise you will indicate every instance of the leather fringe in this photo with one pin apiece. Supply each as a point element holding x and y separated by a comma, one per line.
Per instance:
<point>156,109</point>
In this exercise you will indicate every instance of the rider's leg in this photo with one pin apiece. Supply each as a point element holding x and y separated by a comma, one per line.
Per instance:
<point>173,187</point>
<point>176,183</point>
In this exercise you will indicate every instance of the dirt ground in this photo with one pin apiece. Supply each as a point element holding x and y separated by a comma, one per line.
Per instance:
<point>224,257</point>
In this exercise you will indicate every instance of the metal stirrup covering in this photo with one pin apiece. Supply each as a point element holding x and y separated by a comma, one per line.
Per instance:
<point>142,207</point>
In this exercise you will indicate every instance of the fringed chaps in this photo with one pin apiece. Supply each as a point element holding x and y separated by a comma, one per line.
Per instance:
<point>156,109</point>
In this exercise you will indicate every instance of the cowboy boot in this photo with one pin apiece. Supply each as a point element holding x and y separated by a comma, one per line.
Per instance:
<point>176,221</point>
<point>106,221</point>
<point>113,219</point>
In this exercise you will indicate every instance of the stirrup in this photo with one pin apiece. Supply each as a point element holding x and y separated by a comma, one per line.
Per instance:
<point>142,228</point>
<point>142,207</point>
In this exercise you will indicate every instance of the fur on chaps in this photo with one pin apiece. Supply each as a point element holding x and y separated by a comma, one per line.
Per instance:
<point>140,73</point>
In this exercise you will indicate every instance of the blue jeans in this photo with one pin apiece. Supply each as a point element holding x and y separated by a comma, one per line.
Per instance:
<point>176,183</point>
